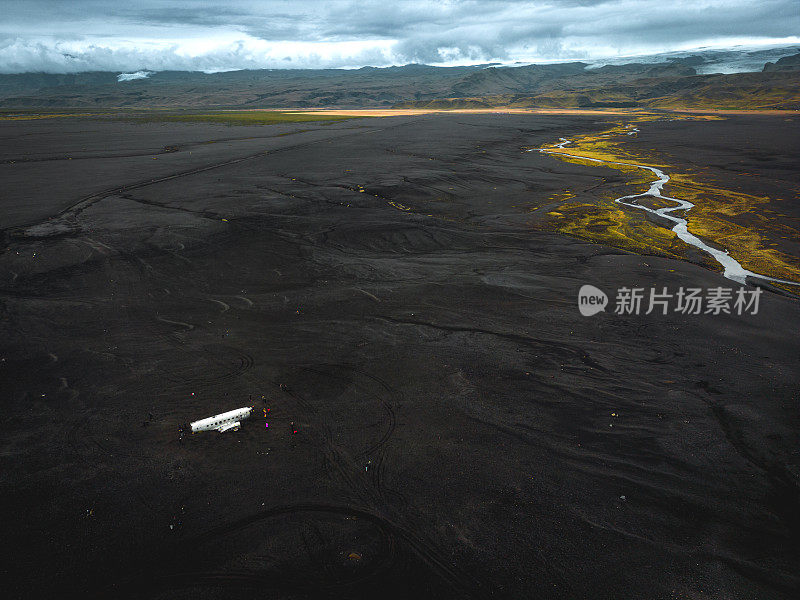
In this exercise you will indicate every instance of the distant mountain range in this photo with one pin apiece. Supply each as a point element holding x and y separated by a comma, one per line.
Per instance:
<point>669,82</point>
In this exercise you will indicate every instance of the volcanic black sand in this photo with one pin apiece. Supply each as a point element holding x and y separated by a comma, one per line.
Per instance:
<point>462,431</point>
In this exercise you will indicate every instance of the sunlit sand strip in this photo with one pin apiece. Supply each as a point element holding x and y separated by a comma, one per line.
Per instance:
<point>395,112</point>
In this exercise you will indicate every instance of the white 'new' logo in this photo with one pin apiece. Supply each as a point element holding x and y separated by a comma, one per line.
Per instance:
<point>591,300</point>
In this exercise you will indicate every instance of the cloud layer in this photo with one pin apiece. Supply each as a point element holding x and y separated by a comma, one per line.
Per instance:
<point>84,35</point>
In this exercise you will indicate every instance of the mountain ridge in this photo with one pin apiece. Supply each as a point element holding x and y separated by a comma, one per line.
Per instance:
<point>672,83</point>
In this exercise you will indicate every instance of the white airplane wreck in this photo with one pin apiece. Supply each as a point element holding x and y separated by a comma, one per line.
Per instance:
<point>222,422</point>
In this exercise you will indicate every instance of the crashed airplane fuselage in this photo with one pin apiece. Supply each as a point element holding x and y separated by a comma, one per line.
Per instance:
<point>222,422</point>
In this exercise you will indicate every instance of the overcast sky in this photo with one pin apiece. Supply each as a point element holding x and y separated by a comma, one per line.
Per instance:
<point>84,35</point>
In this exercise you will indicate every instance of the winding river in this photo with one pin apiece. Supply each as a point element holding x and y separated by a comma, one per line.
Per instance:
<point>731,267</point>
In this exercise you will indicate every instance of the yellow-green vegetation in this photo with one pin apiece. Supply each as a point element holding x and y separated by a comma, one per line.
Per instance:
<point>224,117</point>
<point>714,218</point>
<point>737,91</point>
<point>26,117</point>
<point>32,116</point>
<point>559,197</point>
<point>713,96</point>
<point>744,91</point>
<point>605,146</point>
<point>598,98</point>
<point>735,221</point>
<point>607,222</point>
<point>446,103</point>
<point>601,219</point>
<point>399,206</point>
<point>242,117</point>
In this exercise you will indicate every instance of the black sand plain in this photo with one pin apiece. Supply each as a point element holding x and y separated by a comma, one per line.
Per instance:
<point>462,431</point>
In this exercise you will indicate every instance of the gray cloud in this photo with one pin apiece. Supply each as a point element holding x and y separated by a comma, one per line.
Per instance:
<point>58,36</point>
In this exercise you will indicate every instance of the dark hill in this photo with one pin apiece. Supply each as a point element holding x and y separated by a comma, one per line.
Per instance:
<point>787,63</point>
